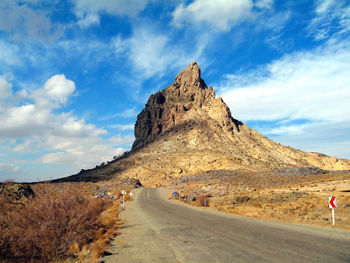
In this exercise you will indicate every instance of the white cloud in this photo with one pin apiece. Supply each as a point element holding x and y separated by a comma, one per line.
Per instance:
<point>34,115</point>
<point>26,146</point>
<point>88,20</point>
<point>304,85</point>
<point>8,53</point>
<point>119,139</point>
<point>332,19</point>
<point>284,129</point>
<point>264,4</point>
<point>33,125</point>
<point>122,127</point>
<point>220,15</point>
<point>80,152</point>
<point>7,170</point>
<point>89,11</point>
<point>153,53</point>
<point>311,86</point>
<point>59,88</point>
<point>20,20</point>
<point>331,138</point>
<point>5,89</point>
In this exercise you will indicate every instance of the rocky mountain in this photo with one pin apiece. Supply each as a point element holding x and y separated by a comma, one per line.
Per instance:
<point>185,129</point>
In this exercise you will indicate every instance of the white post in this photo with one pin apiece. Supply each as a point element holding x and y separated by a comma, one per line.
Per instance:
<point>123,192</point>
<point>333,217</point>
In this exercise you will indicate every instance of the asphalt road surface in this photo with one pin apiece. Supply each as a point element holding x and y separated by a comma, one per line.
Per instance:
<point>159,230</point>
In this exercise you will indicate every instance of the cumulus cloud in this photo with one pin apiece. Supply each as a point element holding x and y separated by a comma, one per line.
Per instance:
<point>33,124</point>
<point>58,88</point>
<point>89,11</point>
<point>220,15</point>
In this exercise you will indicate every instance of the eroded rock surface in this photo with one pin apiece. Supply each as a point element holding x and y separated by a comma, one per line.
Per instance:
<point>187,100</point>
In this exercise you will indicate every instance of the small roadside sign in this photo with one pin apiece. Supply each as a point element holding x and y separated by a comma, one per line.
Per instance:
<point>332,203</point>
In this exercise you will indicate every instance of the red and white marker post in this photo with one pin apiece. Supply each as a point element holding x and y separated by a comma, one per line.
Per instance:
<point>332,202</point>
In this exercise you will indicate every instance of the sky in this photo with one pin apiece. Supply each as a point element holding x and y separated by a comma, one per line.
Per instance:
<point>74,74</point>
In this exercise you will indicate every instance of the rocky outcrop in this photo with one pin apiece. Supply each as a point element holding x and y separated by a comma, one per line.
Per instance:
<point>185,130</point>
<point>14,193</point>
<point>187,100</point>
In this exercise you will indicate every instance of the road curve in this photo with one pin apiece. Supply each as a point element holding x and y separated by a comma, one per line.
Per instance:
<point>159,230</point>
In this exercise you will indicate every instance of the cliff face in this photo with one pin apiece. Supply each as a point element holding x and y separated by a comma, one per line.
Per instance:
<point>185,130</point>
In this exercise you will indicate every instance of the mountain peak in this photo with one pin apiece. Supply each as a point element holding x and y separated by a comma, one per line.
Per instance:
<point>187,100</point>
<point>190,76</point>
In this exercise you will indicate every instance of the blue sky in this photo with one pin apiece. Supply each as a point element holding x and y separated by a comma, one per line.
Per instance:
<point>74,74</point>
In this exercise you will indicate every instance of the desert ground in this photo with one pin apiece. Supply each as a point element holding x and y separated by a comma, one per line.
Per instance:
<point>289,195</point>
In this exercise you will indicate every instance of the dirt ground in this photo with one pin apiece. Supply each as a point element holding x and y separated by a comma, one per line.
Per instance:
<point>287,196</point>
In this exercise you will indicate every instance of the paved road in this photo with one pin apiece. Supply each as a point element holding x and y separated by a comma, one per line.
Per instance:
<point>159,230</point>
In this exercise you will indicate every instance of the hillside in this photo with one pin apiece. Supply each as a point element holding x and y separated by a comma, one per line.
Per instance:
<point>186,130</point>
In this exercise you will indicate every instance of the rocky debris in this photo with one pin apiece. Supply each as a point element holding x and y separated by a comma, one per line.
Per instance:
<point>14,193</point>
<point>241,200</point>
<point>131,183</point>
<point>112,191</point>
<point>103,193</point>
<point>300,171</point>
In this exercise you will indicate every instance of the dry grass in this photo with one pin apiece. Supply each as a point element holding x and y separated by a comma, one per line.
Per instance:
<point>54,224</point>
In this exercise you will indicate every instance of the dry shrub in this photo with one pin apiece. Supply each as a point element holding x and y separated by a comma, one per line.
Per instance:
<point>203,200</point>
<point>57,219</point>
<point>103,236</point>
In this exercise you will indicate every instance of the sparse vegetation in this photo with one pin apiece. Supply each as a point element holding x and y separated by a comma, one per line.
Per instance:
<point>59,221</point>
<point>297,198</point>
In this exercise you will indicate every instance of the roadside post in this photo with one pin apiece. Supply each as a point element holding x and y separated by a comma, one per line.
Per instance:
<point>332,202</point>
<point>123,192</point>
